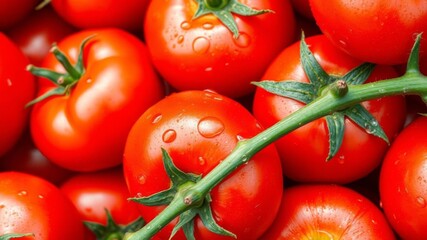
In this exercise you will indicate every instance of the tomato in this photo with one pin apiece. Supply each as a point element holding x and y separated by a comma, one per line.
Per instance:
<point>93,193</point>
<point>327,212</point>
<point>12,12</point>
<point>304,151</point>
<point>199,129</point>
<point>29,204</point>
<point>302,7</point>
<point>403,181</point>
<point>25,157</point>
<point>378,31</point>
<point>36,34</point>
<point>17,88</point>
<point>127,15</point>
<point>201,53</point>
<point>86,129</point>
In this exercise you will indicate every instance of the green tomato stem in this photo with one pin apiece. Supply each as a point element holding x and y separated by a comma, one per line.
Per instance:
<point>412,83</point>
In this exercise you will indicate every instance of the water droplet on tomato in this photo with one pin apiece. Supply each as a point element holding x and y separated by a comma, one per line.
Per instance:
<point>9,82</point>
<point>40,196</point>
<point>156,118</point>
<point>207,25</point>
<point>240,138</point>
<point>22,193</point>
<point>169,136</point>
<point>341,159</point>
<point>201,45</point>
<point>180,39</point>
<point>208,69</point>
<point>210,127</point>
<point>244,40</point>
<point>421,202</point>
<point>202,161</point>
<point>141,179</point>
<point>185,25</point>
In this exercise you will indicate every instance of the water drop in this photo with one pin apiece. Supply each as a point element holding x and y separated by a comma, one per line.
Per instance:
<point>202,161</point>
<point>89,80</point>
<point>180,39</point>
<point>156,118</point>
<point>201,45</point>
<point>40,196</point>
<point>244,40</point>
<point>141,179</point>
<point>169,136</point>
<point>341,159</point>
<point>208,69</point>
<point>207,25</point>
<point>240,138</point>
<point>9,82</point>
<point>421,202</point>
<point>22,193</point>
<point>185,25</point>
<point>210,127</point>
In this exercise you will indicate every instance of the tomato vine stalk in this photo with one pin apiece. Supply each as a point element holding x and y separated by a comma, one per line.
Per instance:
<point>337,97</point>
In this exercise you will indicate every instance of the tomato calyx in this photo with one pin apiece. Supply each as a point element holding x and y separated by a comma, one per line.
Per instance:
<point>8,236</point>
<point>321,83</point>
<point>223,10</point>
<point>196,203</point>
<point>112,230</point>
<point>63,81</point>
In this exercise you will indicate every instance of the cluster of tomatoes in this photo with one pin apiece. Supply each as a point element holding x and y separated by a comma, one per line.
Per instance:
<point>92,91</point>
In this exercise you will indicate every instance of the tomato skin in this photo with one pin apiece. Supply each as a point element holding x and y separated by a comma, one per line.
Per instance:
<point>93,121</point>
<point>403,181</point>
<point>306,161</point>
<point>17,88</point>
<point>378,31</point>
<point>29,204</point>
<point>36,34</point>
<point>199,129</point>
<point>327,212</point>
<point>202,53</point>
<point>25,157</point>
<point>83,14</point>
<point>12,12</point>
<point>94,192</point>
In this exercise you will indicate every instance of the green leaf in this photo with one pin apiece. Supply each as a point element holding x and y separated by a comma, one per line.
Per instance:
<point>365,120</point>
<point>186,222</point>
<point>8,236</point>
<point>205,213</point>
<point>335,123</point>
<point>303,92</point>
<point>359,74</point>
<point>413,65</point>
<point>58,91</point>
<point>223,10</point>
<point>112,230</point>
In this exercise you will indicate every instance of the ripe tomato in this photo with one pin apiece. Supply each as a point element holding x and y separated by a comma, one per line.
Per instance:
<point>93,193</point>
<point>38,31</point>
<point>327,212</point>
<point>17,88</point>
<point>29,204</point>
<point>25,157</point>
<point>201,53</point>
<point>199,129</point>
<point>128,15</point>
<point>86,129</point>
<point>378,31</point>
<point>403,181</point>
<point>12,11</point>
<point>304,151</point>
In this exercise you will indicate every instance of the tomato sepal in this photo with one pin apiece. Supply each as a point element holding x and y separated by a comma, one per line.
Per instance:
<point>196,203</point>
<point>223,10</point>
<point>320,83</point>
<point>112,230</point>
<point>9,236</point>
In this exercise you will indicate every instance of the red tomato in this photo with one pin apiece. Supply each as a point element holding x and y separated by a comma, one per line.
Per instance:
<point>378,31</point>
<point>199,129</point>
<point>201,53</point>
<point>86,130</point>
<point>403,181</point>
<point>17,88</point>
<point>327,212</point>
<point>37,32</point>
<point>25,157</point>
<point>29,204</point>
<point>12,11</point>
<point>93,193</point>
<point>127,15</point>
<point>304,150</point>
